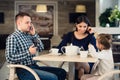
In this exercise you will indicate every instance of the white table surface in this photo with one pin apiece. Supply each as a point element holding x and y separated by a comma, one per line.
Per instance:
<point>70,59</point>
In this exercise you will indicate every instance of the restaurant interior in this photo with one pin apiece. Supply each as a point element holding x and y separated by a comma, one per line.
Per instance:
<point>55,21</point>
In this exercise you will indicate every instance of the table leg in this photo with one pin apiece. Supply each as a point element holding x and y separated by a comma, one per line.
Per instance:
<point>71,71</point>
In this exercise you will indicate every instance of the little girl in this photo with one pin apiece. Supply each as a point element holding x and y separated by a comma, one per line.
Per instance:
<point>103,43</point>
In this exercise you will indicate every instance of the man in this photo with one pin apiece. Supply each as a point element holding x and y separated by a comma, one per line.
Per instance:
<point>21,47</point>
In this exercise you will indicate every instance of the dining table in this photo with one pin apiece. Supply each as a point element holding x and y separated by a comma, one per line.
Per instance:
<point>71,59</point>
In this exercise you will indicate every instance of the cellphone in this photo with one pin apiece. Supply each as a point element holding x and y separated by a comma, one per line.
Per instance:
<point>89,30</point>
<point>31,28</point>
<point>35,42</point>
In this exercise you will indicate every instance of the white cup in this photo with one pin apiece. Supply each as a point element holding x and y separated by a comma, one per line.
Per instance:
<point>53,50</point>
<point>83,54</point>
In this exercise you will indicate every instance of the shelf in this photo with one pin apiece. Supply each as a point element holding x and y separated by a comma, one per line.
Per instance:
<point>110,30</point>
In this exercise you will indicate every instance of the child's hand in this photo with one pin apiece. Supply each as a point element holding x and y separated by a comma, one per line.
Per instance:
<point>91,48</point>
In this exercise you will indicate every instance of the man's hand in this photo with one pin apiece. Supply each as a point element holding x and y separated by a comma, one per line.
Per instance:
<point>32,30</point>
<point>32,49</point>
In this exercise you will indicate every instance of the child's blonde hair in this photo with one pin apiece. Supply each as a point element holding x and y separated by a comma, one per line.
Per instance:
<point>105,40</point>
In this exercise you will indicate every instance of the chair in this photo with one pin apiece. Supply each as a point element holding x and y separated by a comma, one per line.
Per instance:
<point>105,75</point>
<point>108,73</point>
<point>116,58</point>
<point>93,70</point>
<point>13,68</point>
<point>55,40</point>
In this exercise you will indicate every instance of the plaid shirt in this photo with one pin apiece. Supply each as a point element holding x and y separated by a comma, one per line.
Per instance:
<point>17,48</point>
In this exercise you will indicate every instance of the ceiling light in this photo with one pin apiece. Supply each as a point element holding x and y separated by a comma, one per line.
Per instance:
<point>80,9</point>
<point>41,8</point>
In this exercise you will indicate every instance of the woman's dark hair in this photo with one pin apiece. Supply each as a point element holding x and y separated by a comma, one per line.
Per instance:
<point>83,19</point>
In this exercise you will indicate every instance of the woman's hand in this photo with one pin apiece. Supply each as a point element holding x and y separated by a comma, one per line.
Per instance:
<point>90,30</point>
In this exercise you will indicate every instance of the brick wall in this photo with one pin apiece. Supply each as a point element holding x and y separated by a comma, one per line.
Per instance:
<point>7,7</point>
<point>64,8</point>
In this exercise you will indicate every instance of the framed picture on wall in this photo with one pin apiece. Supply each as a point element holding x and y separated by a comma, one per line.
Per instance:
<point>1,17</point>
<point>46,23</point>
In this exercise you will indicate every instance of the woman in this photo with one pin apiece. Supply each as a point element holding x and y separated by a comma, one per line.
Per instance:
<point>81,37</point>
